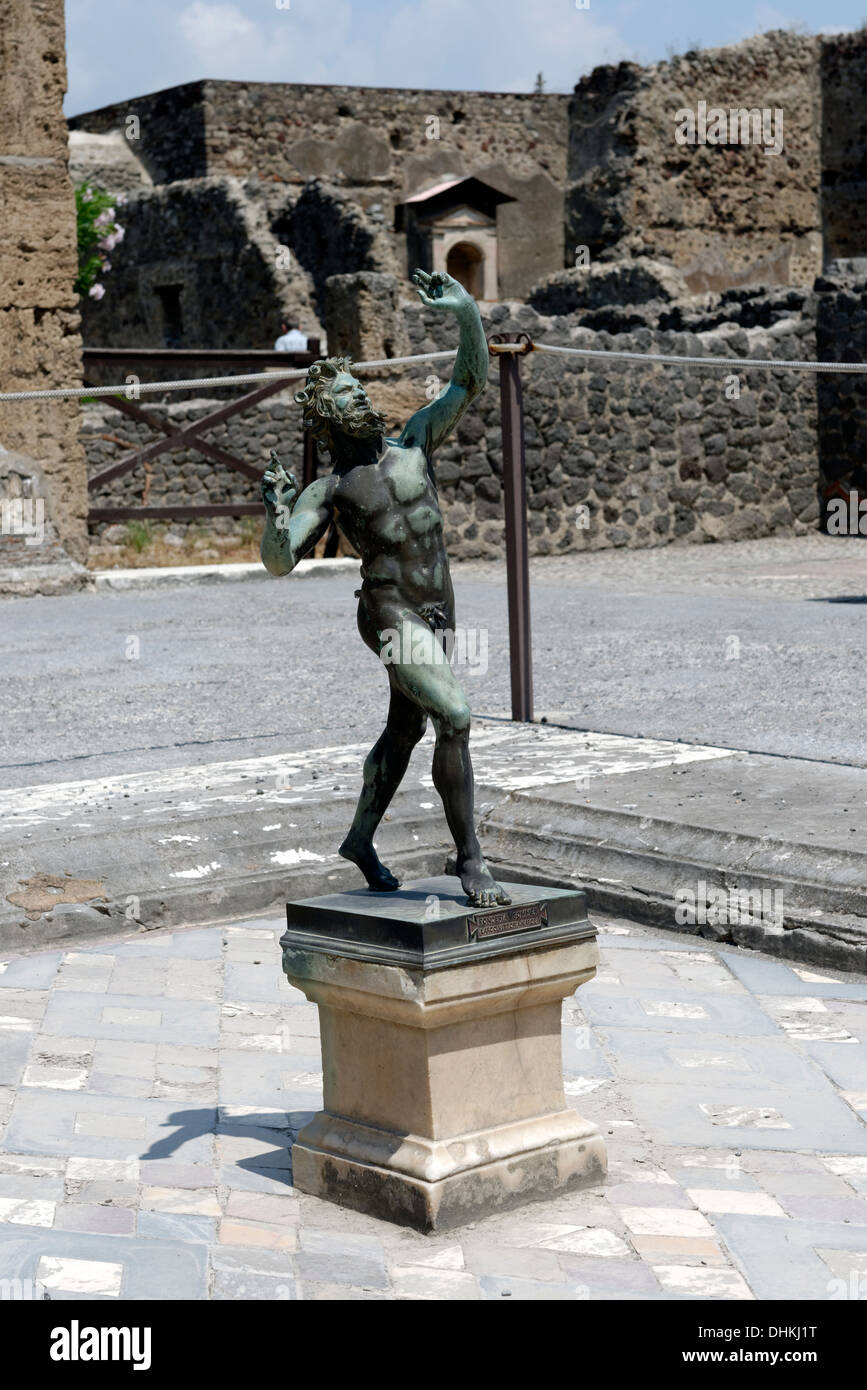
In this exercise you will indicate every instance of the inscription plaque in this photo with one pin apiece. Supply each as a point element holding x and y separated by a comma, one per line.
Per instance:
<point>522,917</point>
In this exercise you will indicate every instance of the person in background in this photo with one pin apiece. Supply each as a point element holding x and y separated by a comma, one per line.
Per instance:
<point>291,339</point>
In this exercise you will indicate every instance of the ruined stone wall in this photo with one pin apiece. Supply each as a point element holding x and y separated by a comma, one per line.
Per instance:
<point>716,210</point>
<point>322,169</point>
<point>374,141</point>
<point>638,455</point>
<point>167,135</point>
<point>844,144</point>
<point>370,146</point>
<point>186,477</point>
<point>364,318</point>
<point>199,235</point>
<point>617,454</point>
<point>841,336</point>
<point>40,345</point>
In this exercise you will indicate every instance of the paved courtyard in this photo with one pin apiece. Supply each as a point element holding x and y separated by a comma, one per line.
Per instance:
<point>150,1087</point>
<point>754,645</point>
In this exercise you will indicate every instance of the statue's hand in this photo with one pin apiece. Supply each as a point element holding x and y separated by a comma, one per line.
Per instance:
<point>440,291</point>
<point>279,492</point>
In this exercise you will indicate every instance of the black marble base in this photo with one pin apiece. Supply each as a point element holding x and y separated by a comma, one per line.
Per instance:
<point>427,923</point>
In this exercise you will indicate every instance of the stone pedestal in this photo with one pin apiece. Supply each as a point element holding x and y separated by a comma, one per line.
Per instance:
<point>441,1059</point>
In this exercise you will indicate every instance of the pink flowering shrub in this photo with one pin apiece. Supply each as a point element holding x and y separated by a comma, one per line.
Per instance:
<point>98,233</point>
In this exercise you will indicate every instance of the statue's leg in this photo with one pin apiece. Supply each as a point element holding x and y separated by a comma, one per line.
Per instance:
<point>434,687</point>
<point>384,768</point>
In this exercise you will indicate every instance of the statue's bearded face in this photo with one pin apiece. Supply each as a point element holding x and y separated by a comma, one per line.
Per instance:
<point>353,412</point>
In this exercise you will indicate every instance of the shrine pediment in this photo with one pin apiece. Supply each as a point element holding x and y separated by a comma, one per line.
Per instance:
<point>453,200</point>
<point>463,216</point>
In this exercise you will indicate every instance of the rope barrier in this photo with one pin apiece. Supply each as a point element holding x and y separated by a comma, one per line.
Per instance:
<point>731,364</point>
<point>72,392</point>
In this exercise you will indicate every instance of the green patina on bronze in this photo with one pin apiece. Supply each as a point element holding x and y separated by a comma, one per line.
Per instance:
<point>382,496</point>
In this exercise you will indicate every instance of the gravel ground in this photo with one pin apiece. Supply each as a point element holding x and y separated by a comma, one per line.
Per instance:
<point>757,646</point>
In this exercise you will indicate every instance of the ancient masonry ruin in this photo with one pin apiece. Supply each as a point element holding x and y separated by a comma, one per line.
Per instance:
<point>617,454</point>
<point>243,198</point>
<point>249,202</point>
<point>42,465</point>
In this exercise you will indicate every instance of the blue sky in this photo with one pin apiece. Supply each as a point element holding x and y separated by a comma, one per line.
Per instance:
<point>123,48</point>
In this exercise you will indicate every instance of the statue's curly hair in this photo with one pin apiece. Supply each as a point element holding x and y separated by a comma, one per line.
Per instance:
<point>319,411</point>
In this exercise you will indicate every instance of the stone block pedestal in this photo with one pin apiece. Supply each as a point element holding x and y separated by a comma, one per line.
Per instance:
<point>440,1030</point>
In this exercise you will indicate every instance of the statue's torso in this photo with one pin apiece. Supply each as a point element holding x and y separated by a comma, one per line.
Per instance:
<point>390,512</point>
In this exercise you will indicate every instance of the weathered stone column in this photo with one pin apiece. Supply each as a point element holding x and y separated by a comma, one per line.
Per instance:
<point>363,318</point>
<point>440,1029</point>
<point>40,345</point>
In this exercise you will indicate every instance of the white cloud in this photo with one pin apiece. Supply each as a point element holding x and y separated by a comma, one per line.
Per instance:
<point>769,18</point>
<point>497,45</point>
<point>490,44</point>
<point>293,45</point>
<point>216,32</point>
<point>122,48</point>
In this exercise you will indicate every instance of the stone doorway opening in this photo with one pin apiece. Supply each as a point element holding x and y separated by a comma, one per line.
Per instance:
<point>466,263</point>
<point>172,323</point>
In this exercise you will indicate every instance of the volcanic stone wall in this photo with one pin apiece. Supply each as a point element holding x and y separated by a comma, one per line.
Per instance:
<point>844,144</point>
<point>617,454</point>
<point>639,455</point>
<point>841,336</point>
<point>318,172</point>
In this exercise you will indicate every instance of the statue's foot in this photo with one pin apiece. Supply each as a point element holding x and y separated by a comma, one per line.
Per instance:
<point>360,851</point>
<point>479,884</point>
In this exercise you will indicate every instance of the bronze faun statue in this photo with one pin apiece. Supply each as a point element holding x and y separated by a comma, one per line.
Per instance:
<point>382,496</point>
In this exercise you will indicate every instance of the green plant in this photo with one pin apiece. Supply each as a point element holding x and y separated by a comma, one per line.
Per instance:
<point>98,233</point>
<point>138,535</point>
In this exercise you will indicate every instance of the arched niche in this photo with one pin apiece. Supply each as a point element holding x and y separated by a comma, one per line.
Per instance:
<point>466,262</point>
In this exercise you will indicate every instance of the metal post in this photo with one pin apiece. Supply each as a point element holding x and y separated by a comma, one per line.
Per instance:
<point>517,555</point>
<point>310,460</point>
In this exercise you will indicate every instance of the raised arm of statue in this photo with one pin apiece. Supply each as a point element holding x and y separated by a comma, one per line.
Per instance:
<point>435,422</point>
<point>293,524</point>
